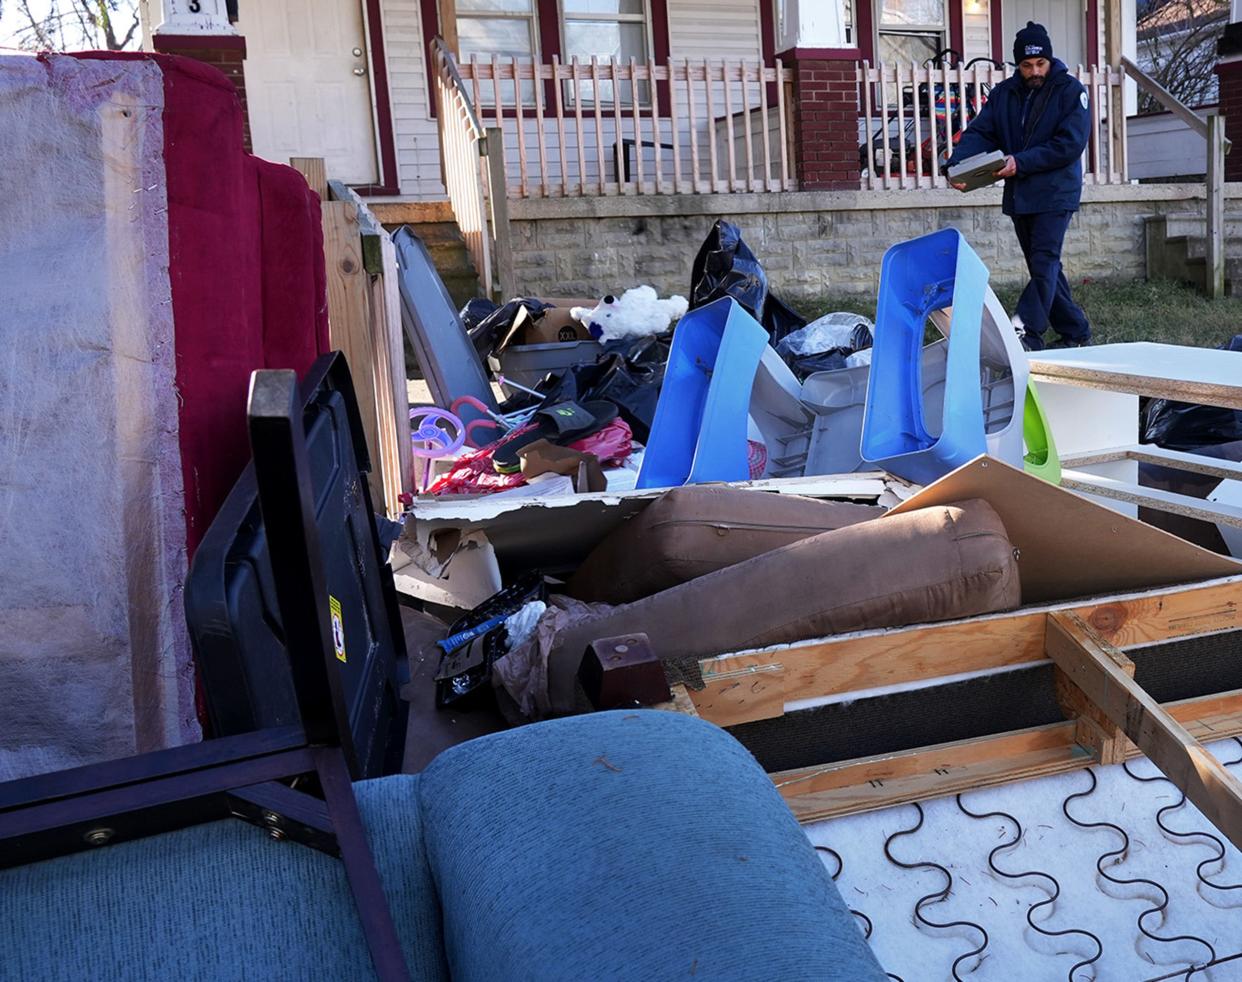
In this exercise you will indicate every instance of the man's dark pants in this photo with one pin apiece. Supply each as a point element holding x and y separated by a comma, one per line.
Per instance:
<point>1046,301</point>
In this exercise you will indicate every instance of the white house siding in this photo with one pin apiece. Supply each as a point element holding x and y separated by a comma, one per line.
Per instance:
<point>415,133</point>
<point>977,29</point>
<point>1063,19</point>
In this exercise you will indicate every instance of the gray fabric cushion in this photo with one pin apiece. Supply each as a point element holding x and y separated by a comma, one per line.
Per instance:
<point>220,901</point>
<point>630,846</point>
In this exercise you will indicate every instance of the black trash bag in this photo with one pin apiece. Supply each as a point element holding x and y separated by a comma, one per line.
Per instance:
<point>725,267</point>
<point>628,374</point>
<point>476,311</point>
<point>1188,426</point>
<point>862,338</point>
<point>825,361</point>
<point>492,329</point>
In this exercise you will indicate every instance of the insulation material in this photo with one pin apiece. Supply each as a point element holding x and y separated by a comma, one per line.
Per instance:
<point>1105,873</point>
<point>94,656</point>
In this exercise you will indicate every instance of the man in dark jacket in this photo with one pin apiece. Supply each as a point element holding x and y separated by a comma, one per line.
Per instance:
<point>1039,119</point>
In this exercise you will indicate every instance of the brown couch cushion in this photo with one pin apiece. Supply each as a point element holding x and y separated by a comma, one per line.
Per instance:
<point>691,531</point>
<point>927,565</point>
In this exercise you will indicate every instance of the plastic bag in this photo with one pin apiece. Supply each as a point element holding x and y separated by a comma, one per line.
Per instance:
<point>827,343</point>
<point>628,373</point>
<point>725,267</point>
<point>1187,426</point>
<point>488,332</point>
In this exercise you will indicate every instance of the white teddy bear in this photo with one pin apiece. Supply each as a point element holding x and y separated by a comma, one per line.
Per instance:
<point>637,313</point>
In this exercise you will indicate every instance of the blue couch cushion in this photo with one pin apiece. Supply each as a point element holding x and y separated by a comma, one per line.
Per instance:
<point>220,901</point>
<point>627,845</point>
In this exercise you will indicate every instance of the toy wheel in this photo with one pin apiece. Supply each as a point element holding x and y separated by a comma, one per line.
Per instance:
<point>435,432</point>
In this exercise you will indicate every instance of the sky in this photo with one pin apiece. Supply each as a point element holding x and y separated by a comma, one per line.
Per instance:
<point>12,19</point>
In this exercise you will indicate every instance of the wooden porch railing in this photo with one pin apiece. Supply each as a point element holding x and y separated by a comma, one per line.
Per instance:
<point>1212,130</point>
<point>611,127</point>
<point>463,146</point>
<point>911,117</point>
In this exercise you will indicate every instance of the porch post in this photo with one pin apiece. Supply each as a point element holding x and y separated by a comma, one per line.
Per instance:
<point>200,29</point>
<point>825,93</point>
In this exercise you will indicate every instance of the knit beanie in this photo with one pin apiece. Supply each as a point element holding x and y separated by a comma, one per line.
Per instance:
<point>1032,42</point>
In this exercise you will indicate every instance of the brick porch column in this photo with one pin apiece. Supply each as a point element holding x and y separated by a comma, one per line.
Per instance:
<point>225,52</point>
<point>825,117</point>
<point>1229,76</point>
<point>203,31</point>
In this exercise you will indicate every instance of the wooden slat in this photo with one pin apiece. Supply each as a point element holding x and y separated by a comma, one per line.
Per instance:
<point>764,133</point>
<point>742,694</point>
<point>638,122</point>
<point>694,131</point>
<point>675,126</point>
<point>315,172</point>
<point>711,126</point>
<point>903,180</point>
<point>386,296</point>
<point>747,121</point>
<point>557,87</point>
<point>349,327</point>
<point>1094,89</point>
<point>520,119</point>
<point>882,781</point>
<point>541,136</point>
<point>873,659</point>
<point>918,123</point>
<point>730,135</point>
<point>656,128</point>
<point>1093,730</point>
<point>577,83</point>
<point>599,122</point>
<point>369,228</point>
<point>782,103</point>
<point>616,119</point>
<point>1092,665</point>
<point>868,123</point>
<point>1111,115</point>
<point>884,141</point>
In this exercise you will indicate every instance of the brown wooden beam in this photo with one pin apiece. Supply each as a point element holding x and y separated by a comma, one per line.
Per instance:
<point>872,659</point>
<point>870,783</point>
<point>1092,664</point>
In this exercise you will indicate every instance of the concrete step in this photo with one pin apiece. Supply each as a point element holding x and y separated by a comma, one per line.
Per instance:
<point>1195,246</point>
<point>1196,274</point>
<point>1191,223</point>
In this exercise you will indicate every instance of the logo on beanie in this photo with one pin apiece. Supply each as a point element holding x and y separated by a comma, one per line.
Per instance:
<point>1034,49</point>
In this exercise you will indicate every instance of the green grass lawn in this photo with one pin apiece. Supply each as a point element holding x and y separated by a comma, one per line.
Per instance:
<point>1119,310</point>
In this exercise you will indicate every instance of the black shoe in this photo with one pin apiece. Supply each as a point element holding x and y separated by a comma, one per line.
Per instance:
<point>1031,342</point>
<point>1070,343</point>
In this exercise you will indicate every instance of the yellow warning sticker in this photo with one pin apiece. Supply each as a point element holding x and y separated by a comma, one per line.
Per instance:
<point>338,627</point>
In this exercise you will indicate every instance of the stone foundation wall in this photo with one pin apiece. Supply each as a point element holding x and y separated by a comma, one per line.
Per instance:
<point>812,243</point>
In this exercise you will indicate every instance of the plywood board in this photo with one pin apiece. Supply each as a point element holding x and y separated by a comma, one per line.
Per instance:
<point>1069,546</point>
<point>1167,371</point>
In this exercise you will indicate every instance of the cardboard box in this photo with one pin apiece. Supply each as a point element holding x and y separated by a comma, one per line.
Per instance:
<point>554,326</point>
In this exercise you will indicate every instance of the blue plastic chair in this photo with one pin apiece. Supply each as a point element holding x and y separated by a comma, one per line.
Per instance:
<point>700,425</point>
<point>916,277</point>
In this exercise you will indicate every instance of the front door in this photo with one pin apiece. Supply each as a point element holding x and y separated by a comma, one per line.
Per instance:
<point>308,84</point>
<point>1065,23</point>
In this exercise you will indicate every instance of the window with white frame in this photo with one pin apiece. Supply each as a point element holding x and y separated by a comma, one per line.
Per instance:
<point>608,30</point>
<point>911,30</point>
<point>504,28</point>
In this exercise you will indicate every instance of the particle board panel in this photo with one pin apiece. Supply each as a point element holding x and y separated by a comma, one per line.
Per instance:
<point>1165,371</point>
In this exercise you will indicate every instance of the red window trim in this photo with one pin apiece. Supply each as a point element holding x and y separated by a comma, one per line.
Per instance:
<point>548,12</point>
